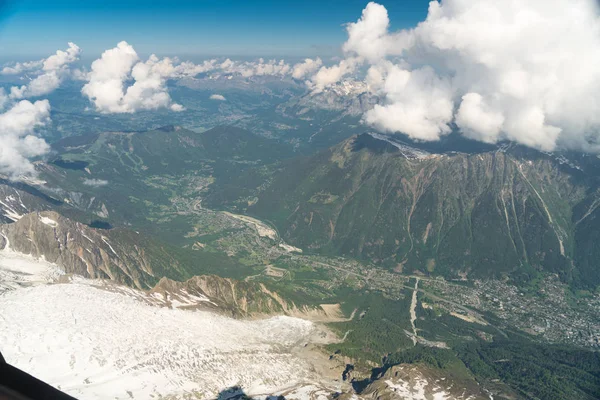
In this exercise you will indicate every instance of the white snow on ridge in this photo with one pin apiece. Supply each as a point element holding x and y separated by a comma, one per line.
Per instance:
<point>48,221</point>
<point>184,298</point>
<point>100,344</point>
<point>406,151</point>
<point>348,88</point>
<point>9,210</point>
<point>85,236</point>
<point>111,248</point>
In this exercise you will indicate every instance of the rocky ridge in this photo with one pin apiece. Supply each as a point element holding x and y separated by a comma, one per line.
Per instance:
<point>82,250</point>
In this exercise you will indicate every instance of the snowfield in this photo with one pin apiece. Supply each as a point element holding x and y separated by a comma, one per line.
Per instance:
<point>17,270</point>
<point>99,344</point>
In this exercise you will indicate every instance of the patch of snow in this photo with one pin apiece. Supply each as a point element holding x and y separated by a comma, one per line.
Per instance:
<point>85,236</point>
<point>562,160</point>
<point>48,221</point>
<point>406,151</point>
<point>419,388</point>
<point>111,248</point>
<point>184,299</point>
<point>18,270</point>
<point>404,390</point>
<point>20,200</point>
<point>348,88</point>
<point>9,211</point>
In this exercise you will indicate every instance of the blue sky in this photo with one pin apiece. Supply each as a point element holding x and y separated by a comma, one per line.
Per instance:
<point>32,28</point>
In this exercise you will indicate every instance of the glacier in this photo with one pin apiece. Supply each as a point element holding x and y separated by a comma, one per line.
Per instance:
<point>94,343</point>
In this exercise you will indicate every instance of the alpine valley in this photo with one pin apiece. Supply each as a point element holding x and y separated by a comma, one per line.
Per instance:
<point>221,200</point>
<point>178,263</point>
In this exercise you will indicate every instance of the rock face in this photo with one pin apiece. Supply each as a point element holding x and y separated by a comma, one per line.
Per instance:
<point>19,198</point>
<point>409,381</point>
<point>236,298</point>
<point>123,257</point>
<point>79,249</point>
<point>479,214</point>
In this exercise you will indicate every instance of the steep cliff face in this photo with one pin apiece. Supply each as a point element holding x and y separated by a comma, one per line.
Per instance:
<point>92,253</point>
<point>483,214</point>
<point>236,298</point>
<point>125,257</point>
<point>20,198</point>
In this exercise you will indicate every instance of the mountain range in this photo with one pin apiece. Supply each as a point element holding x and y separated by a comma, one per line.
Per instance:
<point>386,241</point>
<point>505,212</point>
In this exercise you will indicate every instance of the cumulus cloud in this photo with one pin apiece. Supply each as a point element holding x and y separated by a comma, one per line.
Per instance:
<point>3,98</point>
<point>21,118</point>
<point>369,36</point>
<point>522,70</point>
<point>53,71</point>
<point>419,103</point>
<point>17,140</point>
<point>119,82</point>
<point>95,182</point>
<point>62,58</point>
<point>478,120</point>
<point>327,76</point>
<point>256,68</point>
<point>19,68</point>
<point>218,97</point>
<point>188,68</point>
<point>307,67</point>
<point>108,77</point>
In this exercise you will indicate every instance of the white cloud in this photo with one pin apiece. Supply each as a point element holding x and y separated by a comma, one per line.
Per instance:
<point>176,107</point>
<point>307,67</point>
<point>226,65</point>
<point>327,76</point>
<point>119,82</point>
<point>106,80</point>
<point>19,122</point>
<point>19,68</point>
<point>62,58</point>
<point>53,71</point>
<point>95,182</point>
<point>271,67</point>
<point>3,98</point>
<point>477,120</point>
<point>190,69</point>
<point>219,97</point>
<point>256,68</point>
<point>17,140</point>
<point>149,91</point>
<point>369,37</point>
<point>522,70</point>
<point>419,104</point>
